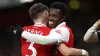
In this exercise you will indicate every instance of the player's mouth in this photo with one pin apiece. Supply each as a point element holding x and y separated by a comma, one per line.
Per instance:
<point>51,22</point>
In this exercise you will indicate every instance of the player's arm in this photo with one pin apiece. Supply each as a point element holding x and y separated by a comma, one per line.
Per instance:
<point>40,39</point>
<point>68,51</point>
<point>55,36</point>
<point>91,34</point>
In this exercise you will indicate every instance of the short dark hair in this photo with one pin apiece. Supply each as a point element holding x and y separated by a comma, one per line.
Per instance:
<point>36,9</point>
<point>61,6</point>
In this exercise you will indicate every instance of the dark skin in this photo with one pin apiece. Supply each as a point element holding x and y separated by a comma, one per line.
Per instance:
<point>55,17</point>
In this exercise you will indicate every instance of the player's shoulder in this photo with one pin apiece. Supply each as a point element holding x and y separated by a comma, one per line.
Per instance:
<point>62,26</point>
<point>27,27</point>
<point>46,29</point>
<point>68,28</point>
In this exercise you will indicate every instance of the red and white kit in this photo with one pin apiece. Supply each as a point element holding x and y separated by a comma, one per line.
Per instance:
<point>33,49</point>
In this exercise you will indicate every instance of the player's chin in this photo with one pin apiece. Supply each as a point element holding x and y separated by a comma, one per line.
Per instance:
<point>51,25</point>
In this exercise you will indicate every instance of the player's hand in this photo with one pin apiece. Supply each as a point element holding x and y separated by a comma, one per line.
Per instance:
<point>15,30</point>
<point>84,53</point>
<point>97,24</point>
<point>87,54</point>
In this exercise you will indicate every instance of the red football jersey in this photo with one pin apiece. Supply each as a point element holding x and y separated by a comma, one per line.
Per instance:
<point>34,49</point>
<point>70,41</point>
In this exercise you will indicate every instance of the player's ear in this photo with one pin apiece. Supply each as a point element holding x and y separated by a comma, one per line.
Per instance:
<point>44,17</point>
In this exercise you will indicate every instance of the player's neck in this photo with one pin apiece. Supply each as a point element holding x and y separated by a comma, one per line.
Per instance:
<point>39,21</point>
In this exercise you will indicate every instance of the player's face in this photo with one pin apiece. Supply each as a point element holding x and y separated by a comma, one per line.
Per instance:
<point>54,17</point>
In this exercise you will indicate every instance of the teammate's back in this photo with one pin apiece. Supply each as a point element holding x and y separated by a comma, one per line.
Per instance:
<point>34,49</point>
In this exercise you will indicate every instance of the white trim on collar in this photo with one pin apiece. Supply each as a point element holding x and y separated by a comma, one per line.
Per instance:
<point>62,24</point>
<point>40,25</point>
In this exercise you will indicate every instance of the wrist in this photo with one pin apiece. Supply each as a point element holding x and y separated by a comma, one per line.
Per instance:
<point>84,52</point>
<point>95,26</point>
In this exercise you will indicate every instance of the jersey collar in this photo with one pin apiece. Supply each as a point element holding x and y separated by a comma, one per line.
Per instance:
<point>40,25</point>
<point>61,24</point>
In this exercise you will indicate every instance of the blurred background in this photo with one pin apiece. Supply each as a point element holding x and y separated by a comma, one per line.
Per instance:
<point>82,15</point>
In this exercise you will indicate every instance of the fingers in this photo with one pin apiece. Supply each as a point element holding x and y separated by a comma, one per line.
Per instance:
<point>14,30</point>
<point>98,23</point>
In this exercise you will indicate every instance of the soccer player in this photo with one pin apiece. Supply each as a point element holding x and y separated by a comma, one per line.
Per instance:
<point>39,14</point>
<point>58,13</point>
<point>93,33</point>
<point>61,35</point>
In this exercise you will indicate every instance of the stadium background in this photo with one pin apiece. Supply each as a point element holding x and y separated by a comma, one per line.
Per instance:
<point>81,15</point>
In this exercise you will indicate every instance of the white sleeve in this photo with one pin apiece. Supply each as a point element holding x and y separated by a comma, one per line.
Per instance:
<point>54,37</point>
<point>91,33</point>
<point>62,33</point>
<point>40,39</point>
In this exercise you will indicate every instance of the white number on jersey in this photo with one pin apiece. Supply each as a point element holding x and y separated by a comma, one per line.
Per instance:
<point>31,48</point>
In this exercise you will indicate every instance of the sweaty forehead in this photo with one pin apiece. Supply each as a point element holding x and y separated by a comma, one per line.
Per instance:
<point>54,10</point>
